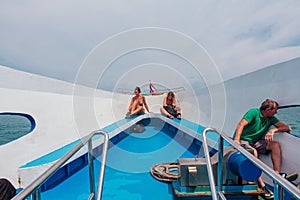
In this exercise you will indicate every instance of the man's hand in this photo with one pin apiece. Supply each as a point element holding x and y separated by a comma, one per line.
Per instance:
<point>237,141</point>
<point>269,136</point>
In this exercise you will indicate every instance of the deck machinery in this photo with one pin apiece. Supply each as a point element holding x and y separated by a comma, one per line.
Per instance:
<point>239,176</point>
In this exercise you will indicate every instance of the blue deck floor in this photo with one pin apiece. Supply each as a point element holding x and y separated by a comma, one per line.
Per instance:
<point>127,174</point>
<point>57,154</point>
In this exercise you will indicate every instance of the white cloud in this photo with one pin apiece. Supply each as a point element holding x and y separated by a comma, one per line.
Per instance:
<point>53,37</point>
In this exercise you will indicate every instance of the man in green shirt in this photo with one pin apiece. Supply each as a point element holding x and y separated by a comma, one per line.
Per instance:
<point>254,131</point>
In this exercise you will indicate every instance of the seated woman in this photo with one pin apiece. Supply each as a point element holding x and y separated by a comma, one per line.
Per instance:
<point>169,108</point>
<point>137,104</point>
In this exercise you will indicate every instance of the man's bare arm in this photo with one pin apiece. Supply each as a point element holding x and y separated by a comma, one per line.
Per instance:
<point>279,127</point>
<point>239,130</point>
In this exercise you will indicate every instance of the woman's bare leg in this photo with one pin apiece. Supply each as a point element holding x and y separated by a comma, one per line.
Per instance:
<point>164,112</point>
<point>136,110</point>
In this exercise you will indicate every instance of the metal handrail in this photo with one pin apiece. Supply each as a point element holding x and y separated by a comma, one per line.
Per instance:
<point>34,188</point>
<point>279,182</point>
<point>209,167</point>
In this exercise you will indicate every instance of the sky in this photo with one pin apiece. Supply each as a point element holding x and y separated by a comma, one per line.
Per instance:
<point>54,38</point>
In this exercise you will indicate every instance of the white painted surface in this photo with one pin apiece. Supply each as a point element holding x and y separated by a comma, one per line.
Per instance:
<point>51,103</point>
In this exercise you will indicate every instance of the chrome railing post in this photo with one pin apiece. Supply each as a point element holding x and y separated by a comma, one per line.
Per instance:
<point>91,168</point>
<point>220,164</point>
<point>209,166</point>
<point>103,163</point>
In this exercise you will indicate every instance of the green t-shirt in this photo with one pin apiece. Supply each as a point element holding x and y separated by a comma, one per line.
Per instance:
<point>257,125</point>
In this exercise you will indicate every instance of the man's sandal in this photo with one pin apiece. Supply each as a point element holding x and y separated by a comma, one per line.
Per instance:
<point>290,177</point>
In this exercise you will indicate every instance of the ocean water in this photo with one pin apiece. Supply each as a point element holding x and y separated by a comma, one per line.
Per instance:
<point>290,116</point>
<point>12,127</point>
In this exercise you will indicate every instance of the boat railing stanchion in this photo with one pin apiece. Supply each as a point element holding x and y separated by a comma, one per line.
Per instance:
<point>91,167</point>
<point>209,166</point>
<point>220,165</point>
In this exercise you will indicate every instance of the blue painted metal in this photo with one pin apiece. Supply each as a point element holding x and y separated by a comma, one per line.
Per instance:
<point>242,166</point>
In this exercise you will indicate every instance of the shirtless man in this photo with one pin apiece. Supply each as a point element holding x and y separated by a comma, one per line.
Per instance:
<point>137,104</point>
